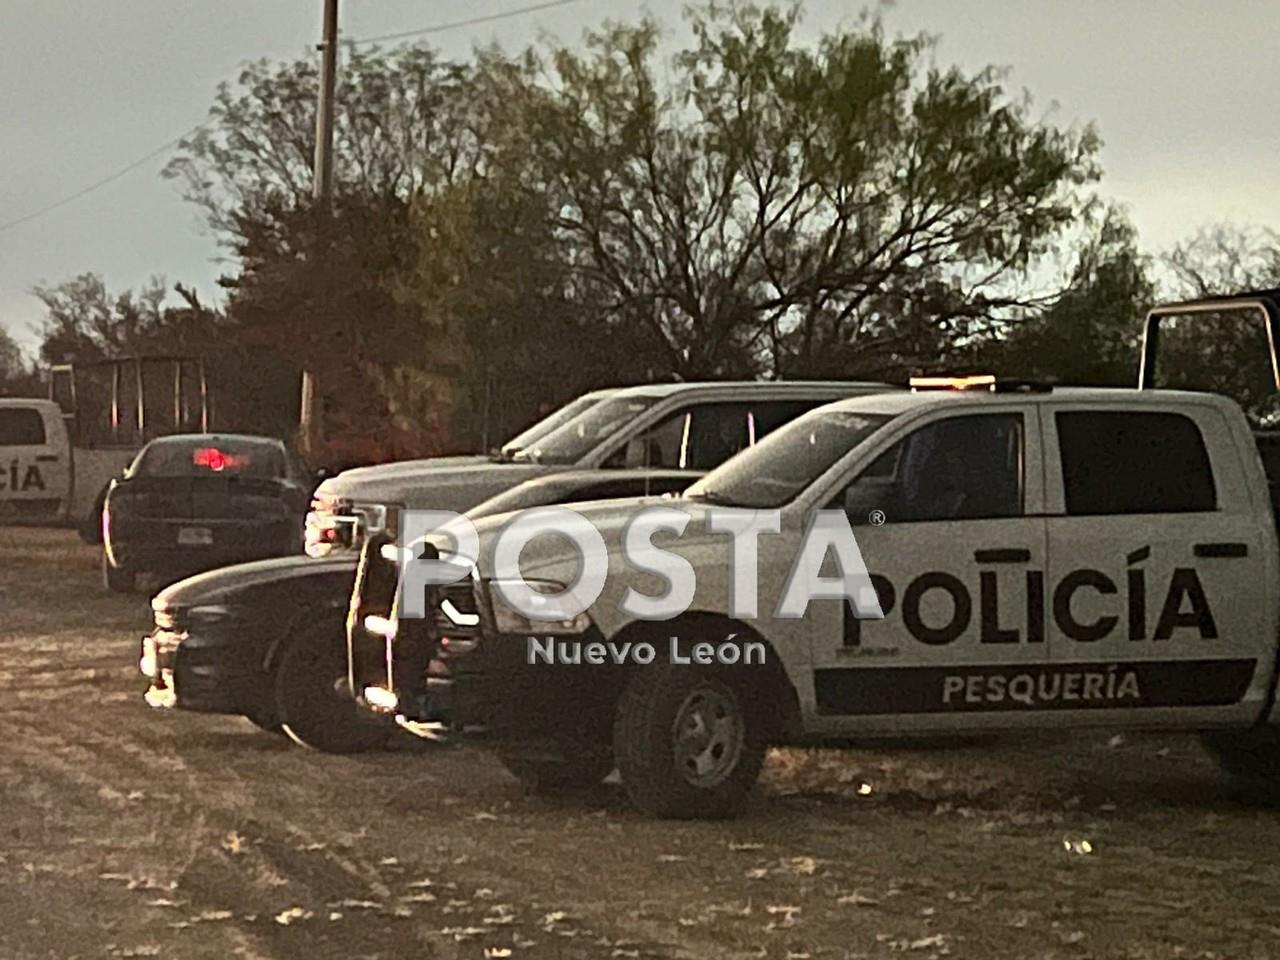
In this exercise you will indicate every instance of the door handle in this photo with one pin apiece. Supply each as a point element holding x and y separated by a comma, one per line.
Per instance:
<point>47,458</point>
<point>1220,549</point>
<point>1005,555</point>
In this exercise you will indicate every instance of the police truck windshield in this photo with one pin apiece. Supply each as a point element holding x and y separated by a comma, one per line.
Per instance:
<point>575,439</point>
<point>780,466</point>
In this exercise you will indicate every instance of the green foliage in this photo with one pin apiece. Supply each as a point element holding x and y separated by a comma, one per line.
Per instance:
<point>401,125</point>
<point>251,386</point>
<point>1225,353</point>
<point>1091,333</point>
<point>17,379</point>
<point>1223,258</point>
<point>778,206</point>
<point>84,322</point>
<point>321,288</point>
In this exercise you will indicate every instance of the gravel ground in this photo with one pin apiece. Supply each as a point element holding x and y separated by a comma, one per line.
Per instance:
<point>131,833</point>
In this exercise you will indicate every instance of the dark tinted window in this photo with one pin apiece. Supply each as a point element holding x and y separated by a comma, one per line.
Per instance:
<point>1116,462</point>
<point>211,456</point>
<point>769,415</point>
<point>21,427</point>
<point>960,468</point>
<point>697,438</point>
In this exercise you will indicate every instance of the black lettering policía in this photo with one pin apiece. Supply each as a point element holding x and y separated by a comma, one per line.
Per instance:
<point>19,480</point>
<point>1184,606</point>
<point>1076,580</point>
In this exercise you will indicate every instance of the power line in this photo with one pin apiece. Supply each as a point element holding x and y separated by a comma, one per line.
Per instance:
<point>133,165</point>
<point>98,184</point>
<point>469,22</point>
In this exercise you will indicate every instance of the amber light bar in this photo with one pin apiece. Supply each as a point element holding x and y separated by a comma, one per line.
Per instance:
<point>980,382</point>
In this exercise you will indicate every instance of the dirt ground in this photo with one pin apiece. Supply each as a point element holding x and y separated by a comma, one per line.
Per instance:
<point>126,832</point>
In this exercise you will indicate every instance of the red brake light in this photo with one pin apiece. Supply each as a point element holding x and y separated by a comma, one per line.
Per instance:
<point>216,460</point>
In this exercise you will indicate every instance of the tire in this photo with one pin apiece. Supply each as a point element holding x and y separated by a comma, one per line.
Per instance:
<point>265,718</point>
<point>118,579</point>
<point>579,771</point>
<point>687,741</point>
<point>311,709</point>
<point>1247,754</point>
<point>90,526</point>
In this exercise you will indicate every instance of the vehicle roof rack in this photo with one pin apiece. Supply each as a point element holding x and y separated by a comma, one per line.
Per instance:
<point>1265,302</point>
<point>986,382</point>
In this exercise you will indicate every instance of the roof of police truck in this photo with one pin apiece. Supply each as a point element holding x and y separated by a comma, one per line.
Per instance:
<point>902,401</point>
<point>797,386</point>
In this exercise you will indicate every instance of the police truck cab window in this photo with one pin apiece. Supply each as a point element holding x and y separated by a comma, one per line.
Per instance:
<point>960,468</point>
<point>780,466</point>
<point>1117,462</point>
<point>21,427</point>
<point>573,440</point>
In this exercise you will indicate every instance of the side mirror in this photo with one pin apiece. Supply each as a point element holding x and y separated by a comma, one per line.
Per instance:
<point>864,502</point>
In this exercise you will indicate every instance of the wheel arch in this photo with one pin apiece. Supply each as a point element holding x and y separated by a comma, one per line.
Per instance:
<point>89,526</point>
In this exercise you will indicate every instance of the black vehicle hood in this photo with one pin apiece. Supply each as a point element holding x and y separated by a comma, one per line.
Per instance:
<point>292,577</point>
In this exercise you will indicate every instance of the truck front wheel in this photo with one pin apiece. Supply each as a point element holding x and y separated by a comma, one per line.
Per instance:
<point>688,741</point>
<point>1249,754</point>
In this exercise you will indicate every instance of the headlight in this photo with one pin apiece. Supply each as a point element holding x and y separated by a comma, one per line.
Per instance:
<point>506,619</point>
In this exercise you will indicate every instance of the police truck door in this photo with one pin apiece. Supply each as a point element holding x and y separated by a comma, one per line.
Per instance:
<point>1159,569</point>
<point>949,522</point>
<point>35,471</point>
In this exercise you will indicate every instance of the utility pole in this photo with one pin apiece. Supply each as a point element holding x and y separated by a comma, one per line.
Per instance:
<point>322,190</point>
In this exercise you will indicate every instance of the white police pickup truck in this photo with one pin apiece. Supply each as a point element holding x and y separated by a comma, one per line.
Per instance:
<point>1064,557</point>
<point>673,426</point>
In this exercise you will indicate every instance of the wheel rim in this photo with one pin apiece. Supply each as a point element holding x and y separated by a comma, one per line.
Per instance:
<point>708,735</point>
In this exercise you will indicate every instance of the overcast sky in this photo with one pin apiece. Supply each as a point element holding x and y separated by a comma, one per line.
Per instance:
<point>1182,91</point>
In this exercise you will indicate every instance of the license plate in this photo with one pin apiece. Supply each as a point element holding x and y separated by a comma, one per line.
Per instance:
<point>195,537</point>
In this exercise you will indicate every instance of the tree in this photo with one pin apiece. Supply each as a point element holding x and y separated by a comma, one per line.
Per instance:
<point>1090,334</point>
<point>401,125</point>
<point>249,384</point>
<point>324,288</point>
<point>496,279</point>
<point>84,322</point>
<point>328,288</point>
<point>16,377</point>
<point>1228,352</point>
<point>1224,258</point>
<point>778,206</point>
